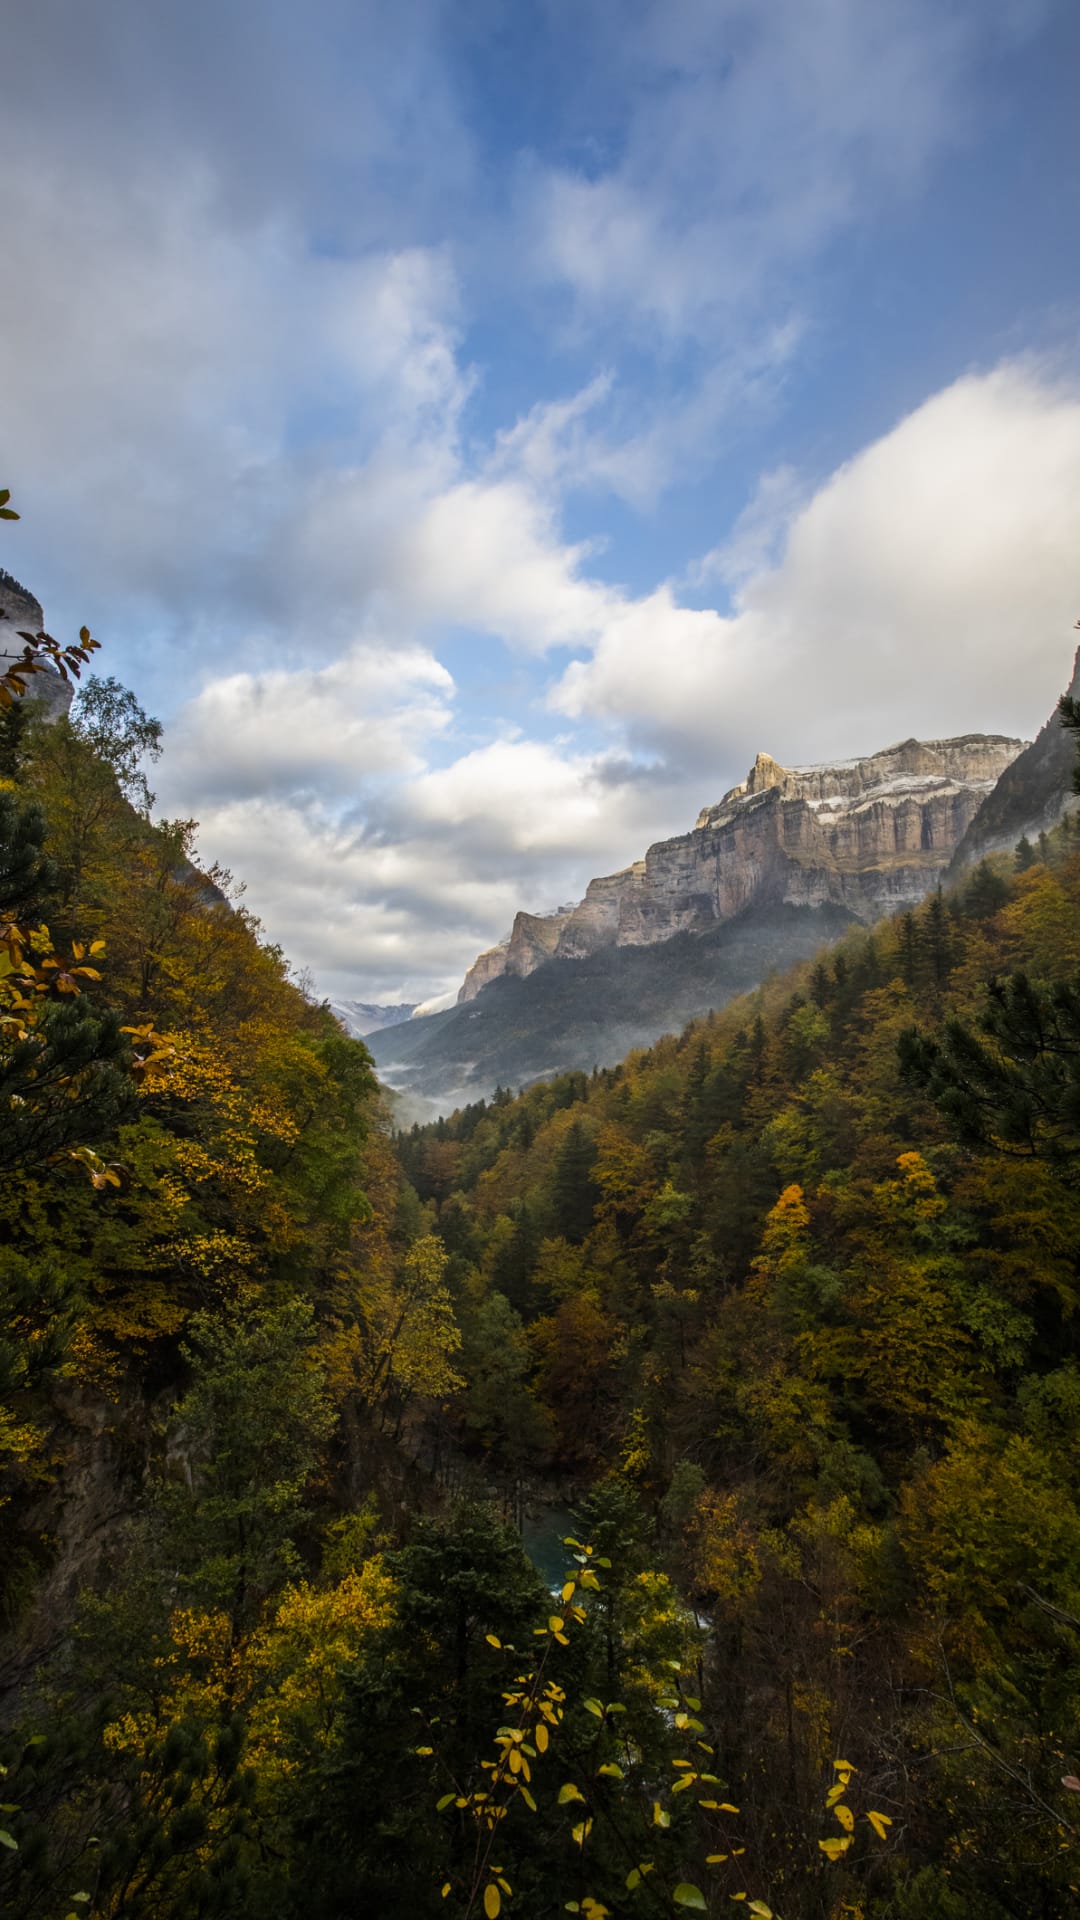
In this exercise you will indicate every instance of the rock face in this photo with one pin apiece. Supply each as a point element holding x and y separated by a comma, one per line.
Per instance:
<point>867,836</point>
<point>51,695</point>
<point>1031,796</point>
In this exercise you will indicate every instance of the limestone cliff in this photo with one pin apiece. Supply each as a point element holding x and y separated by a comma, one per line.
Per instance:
<point>534,939</point>
<point>19,611</point>
<point>867,835</point>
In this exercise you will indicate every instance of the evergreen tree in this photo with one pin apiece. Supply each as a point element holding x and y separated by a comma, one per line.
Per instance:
<point>1025,854</point>
<point>937,939</point>
<point>1012,1078</point>
<point>909,950</point>
<point>573,1190</point>
<point>986,891</point>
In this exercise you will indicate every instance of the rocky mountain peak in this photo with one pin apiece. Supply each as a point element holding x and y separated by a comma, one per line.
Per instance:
<point>866,835</point>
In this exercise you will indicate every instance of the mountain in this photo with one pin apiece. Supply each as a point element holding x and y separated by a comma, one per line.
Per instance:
<point>1032,795</point>
<point>361,1017</point>
<point>779,867</point>
<point>868,835</point>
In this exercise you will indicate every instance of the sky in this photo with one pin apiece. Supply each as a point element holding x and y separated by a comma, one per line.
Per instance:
<point>478,429</point>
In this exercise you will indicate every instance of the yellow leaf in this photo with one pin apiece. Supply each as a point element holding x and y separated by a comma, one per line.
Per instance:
<point>834,1848</point>
<point>446,1889</point>
<point>493,1640</point>
<point>541,1738</point>
<point>845,1817</point>
<point>492,1900</point>
<point>879,1822</point>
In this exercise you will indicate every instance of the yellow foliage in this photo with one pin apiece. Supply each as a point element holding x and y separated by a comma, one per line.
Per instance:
<point>297,1660</point>
<point>726,1561</point>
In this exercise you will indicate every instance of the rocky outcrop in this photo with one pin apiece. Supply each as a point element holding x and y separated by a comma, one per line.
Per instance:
<point>534,939</point>
<point>20,612</point>
<point>867,836</point>
<point>1032,795</point>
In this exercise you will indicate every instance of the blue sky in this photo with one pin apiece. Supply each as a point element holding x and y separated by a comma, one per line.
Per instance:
<point>478,428</point>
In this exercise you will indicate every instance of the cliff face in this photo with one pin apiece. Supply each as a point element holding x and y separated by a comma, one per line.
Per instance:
<point>866,835</point>
<point>1031,796</point>
<point>51,695</point>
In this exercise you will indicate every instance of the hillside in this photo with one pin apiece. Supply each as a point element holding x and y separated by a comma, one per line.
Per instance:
<point>800,1285</point>
<point>593,1011</point>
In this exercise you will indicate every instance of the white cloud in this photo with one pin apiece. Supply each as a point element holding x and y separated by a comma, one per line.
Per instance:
<point>169,432</point>
<point>749,134</point>
<point>332,729</point>
<point>928,587</point>
<point>373,870</point>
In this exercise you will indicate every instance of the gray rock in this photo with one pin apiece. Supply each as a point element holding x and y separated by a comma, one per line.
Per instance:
<point>20,612</point>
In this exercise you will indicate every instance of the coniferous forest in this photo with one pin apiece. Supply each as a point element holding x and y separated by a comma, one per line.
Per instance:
<point>764,1343</point>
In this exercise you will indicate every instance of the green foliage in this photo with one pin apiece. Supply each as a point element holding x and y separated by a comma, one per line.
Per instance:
<point>247,1435</point>
<point>114,726</point>
<point>1012,1080</point>
<point>826,1265</point>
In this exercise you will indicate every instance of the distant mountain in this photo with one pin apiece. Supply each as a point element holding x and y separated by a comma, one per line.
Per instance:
<point>767,876</point>
<point>361,1017</point>
<point>868,835</point>
<point>1030,797</point>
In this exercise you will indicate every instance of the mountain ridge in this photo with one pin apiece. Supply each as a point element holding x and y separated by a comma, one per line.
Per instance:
<point>868,834</point>
<point>777,869</point>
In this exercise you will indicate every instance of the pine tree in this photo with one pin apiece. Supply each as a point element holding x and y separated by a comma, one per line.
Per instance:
<point>909,950</point>
<point>26,874</point>
<point>937,940</point>
<point>573,1193</point>
<point>1025,854</point>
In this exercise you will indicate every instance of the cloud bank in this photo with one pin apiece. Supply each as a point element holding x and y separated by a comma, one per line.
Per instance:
<point>351,362</point>
<point>926,587</point>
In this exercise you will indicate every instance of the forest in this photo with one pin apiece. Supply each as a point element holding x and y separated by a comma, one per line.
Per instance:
<point>781,1314</point>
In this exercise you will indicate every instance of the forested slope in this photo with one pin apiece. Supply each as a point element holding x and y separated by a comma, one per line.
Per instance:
<point>807,1283</point>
